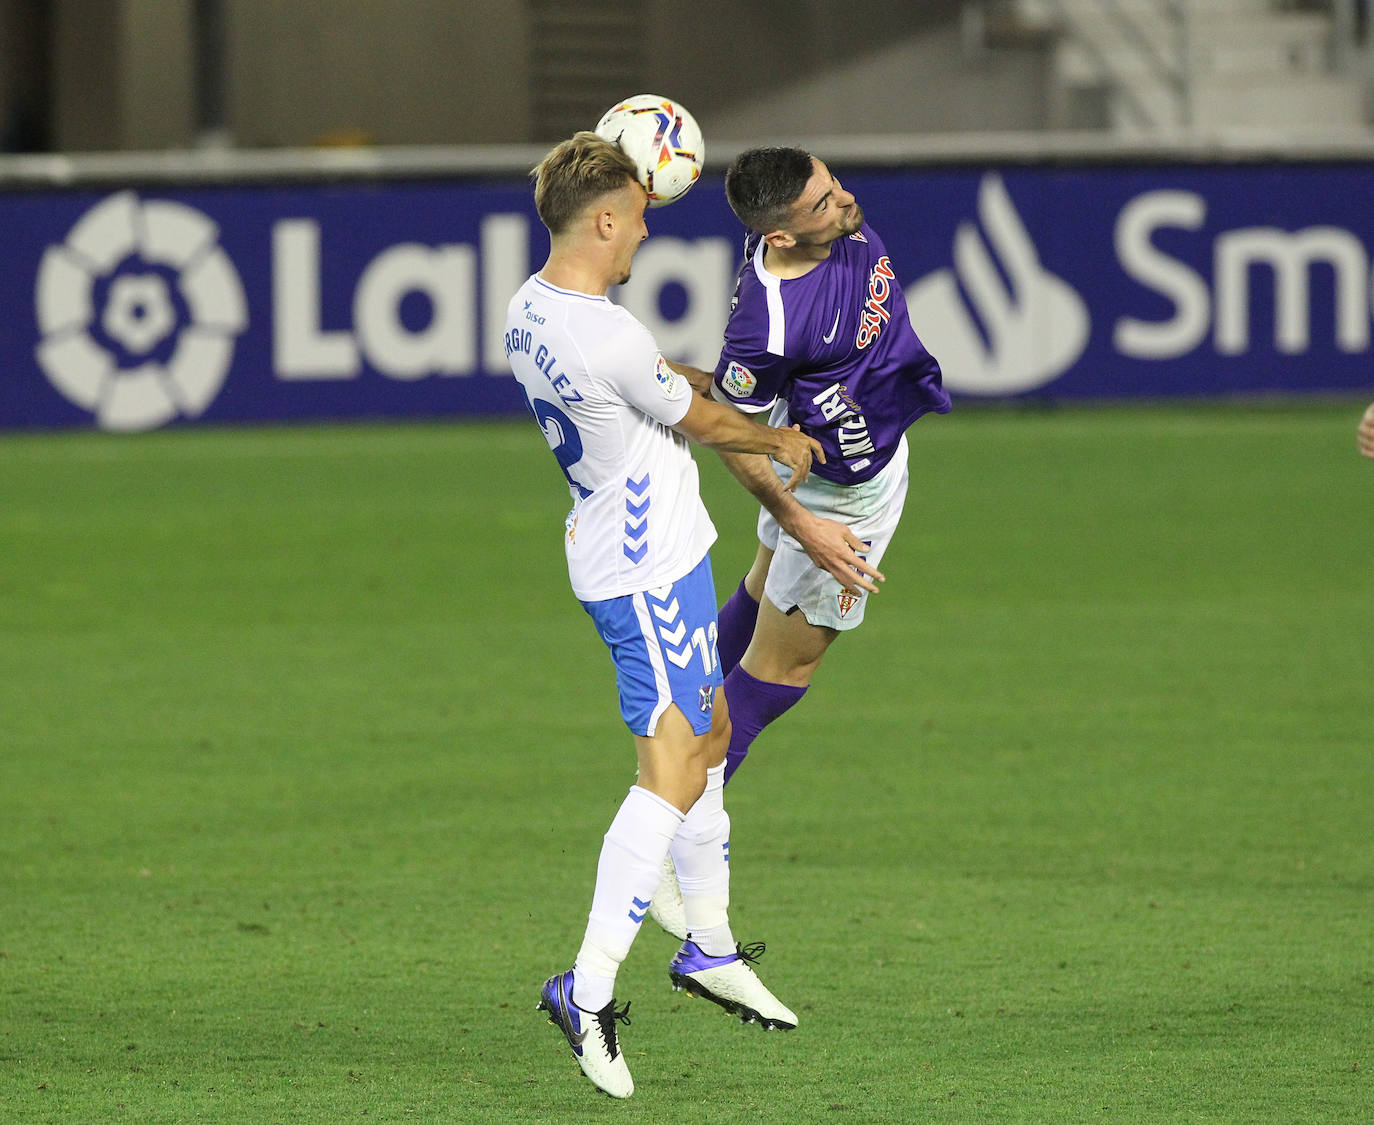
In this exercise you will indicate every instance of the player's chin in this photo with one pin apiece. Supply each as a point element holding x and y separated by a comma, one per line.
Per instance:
<point>855,220</point>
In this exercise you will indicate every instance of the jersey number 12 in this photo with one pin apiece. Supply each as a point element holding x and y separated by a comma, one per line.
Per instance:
<point>562,437</point>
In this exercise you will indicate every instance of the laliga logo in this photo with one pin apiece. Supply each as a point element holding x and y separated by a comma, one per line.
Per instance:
<point>138,311</point>
<point>1034,326</point>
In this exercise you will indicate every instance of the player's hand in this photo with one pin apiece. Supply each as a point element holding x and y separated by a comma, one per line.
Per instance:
<point>839,552</point>
<point>796,453</point>
<point>1366,432</point>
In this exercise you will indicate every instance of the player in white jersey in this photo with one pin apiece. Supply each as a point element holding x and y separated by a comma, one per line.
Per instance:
<point>618,416</point>
<point>603,394</point>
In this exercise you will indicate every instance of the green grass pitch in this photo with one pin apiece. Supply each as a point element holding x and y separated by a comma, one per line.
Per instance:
<point>306,752</point>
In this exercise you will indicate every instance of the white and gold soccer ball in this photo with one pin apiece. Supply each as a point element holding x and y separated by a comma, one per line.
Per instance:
<point>663,140</point>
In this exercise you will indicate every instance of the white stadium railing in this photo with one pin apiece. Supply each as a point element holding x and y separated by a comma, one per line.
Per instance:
<point>42,171</point>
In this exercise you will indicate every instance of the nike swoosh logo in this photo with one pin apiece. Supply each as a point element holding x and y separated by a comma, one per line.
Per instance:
<point>831,334</point>
<point>574,1038</point>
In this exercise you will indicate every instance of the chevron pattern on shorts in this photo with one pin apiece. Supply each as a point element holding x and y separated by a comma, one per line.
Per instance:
<point>672,630</point>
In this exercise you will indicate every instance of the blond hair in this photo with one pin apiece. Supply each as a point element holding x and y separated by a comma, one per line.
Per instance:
<point>574,173</point>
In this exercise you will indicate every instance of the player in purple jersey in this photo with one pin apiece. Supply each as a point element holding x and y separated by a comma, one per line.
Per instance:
<point>818,336</point>
<point>833,347</point>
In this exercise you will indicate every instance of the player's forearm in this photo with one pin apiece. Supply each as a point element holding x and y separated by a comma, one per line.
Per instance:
<point>758,476</point>
<point>726,432</point>
<point>719,428</point>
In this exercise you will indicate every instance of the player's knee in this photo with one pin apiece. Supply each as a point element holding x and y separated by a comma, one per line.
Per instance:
<point>684,786</point>
<point>706,822</point>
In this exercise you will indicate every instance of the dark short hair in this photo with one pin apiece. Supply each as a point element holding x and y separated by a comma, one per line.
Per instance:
<point>575,172</point>
<point>763,183</point>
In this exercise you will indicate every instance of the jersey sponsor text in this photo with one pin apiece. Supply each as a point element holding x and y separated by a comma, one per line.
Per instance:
<point>876,313</point>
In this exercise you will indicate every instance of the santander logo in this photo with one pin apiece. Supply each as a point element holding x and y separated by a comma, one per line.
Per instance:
<point>1020,328</point>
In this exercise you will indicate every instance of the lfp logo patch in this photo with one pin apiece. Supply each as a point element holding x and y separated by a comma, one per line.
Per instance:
<point>738,381</point>
<point>139,310</point>
<point>666,375</point>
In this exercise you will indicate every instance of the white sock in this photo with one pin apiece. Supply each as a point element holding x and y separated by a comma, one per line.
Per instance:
<point>627,875</point>
<point>701,854</point>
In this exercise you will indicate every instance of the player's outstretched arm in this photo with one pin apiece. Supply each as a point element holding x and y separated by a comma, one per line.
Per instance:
<point>828,543</point>
<point>717,427</point>
<point>1366,432</point>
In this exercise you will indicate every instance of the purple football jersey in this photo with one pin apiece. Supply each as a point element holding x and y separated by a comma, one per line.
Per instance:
<point>836,347</point>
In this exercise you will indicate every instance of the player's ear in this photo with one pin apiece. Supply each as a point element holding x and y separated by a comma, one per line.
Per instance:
<point>605,222</point>
<point>780,240</point>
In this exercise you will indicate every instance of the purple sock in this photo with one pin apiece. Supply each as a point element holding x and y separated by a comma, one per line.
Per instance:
<point>736,628</point>
<point>753,705</point>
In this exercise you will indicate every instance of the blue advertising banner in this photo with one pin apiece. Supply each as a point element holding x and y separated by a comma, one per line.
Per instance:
<point>133,309</point>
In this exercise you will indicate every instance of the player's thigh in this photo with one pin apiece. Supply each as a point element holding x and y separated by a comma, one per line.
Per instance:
<point>674,759</point>
<point>758,572</point>
<point>871,510</point>
<point>786,647</point>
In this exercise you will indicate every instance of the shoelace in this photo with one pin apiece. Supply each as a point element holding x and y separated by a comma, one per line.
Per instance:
<point>607,1018</point>
<point>751,952</point>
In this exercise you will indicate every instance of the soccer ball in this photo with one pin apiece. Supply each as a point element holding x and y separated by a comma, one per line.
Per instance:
<point>663,140</point>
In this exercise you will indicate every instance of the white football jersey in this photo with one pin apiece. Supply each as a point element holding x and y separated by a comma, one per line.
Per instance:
<point>604,397</point>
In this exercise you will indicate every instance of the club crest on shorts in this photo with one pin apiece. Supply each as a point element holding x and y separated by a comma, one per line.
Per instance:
<point>847,601</point>
<point>706,697</point>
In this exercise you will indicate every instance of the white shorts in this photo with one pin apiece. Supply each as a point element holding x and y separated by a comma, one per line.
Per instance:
<point>870,510</point>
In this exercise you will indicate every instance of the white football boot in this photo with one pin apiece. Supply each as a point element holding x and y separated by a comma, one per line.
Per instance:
<point>590,1034</point>
<point>730,982</point>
